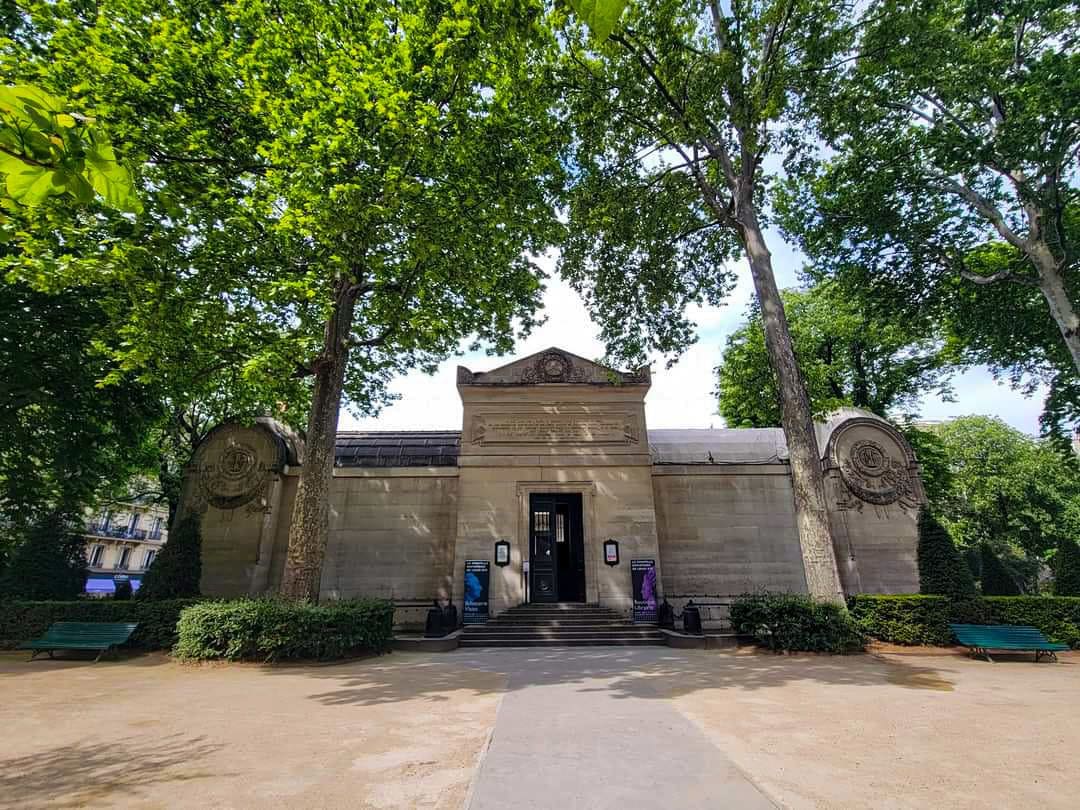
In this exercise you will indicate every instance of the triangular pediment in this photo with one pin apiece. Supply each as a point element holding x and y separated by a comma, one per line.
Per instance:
<point>553,366</point>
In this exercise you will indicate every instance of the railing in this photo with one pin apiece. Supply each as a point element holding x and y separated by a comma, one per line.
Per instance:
<point>120,532</point>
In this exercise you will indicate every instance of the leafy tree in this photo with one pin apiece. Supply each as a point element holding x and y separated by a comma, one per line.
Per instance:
<point>941,568</point>
<point>674,115</point>
<point>63,440</point>
<point>1024,348</point>
<point>1007,489</point>
<point>932,456</point>
<point>346,191</point>
<point>953,126</point>
<point>995,579</point>
<point>1067,569</point>
<point>177,569</point>
<point>47,148</point>
<point>847,356</point>
<point>48,563</point>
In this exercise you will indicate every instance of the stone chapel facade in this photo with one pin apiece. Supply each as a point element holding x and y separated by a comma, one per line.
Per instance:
<point>554,457</point>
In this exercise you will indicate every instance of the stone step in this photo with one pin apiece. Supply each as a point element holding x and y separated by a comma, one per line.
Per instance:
<point>561,613</point>
<point>597,641</point>
<point>551,632</point>
<point>555,623</point>
<point>553,610</point>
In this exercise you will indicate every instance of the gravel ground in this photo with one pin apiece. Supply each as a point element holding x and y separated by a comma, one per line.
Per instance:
<point>894,728</point>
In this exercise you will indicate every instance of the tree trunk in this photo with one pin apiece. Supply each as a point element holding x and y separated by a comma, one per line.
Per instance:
<point>1052,285</point>
<point>311,509</point>
<point>807,478</point>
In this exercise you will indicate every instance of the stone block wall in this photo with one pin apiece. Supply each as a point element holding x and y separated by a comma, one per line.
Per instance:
<point>726,530</point>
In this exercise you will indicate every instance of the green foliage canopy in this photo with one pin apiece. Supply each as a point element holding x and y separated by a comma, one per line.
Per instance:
<point>951,127</point>
<point>283,147</point>
<point>47,148</point>
<point>1007,490</point>
<point>48,562</point>
<point>847,355</point>
<point>674,115</point>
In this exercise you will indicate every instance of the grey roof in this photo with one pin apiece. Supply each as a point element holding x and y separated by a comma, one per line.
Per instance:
<point>724,446</point>
<point>439,448</point>
<point>397,448</point>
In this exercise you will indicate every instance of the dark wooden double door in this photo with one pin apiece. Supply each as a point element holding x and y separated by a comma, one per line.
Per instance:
<point>556,548</point>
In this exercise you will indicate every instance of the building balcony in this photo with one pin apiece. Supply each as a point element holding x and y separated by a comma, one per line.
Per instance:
<point>121,532</point>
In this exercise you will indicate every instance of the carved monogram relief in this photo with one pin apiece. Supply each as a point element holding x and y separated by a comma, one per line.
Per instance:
<point>553,367</point>
<point>234,468</point>
<point>870,474</point>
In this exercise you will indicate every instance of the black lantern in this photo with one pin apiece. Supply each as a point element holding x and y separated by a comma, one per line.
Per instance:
<point>611,552</point>
<point>502,552</point>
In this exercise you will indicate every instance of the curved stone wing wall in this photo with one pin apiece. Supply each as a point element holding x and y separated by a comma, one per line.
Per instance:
<point>235,481</point>
<point>875,493</point>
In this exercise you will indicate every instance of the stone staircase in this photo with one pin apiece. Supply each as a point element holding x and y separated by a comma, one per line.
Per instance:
<point>560,625</point>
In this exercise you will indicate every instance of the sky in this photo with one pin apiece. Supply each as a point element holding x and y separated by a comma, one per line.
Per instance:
<point>682,396</point>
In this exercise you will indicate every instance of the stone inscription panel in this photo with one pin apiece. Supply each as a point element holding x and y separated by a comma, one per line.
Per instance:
<point>540,428</point>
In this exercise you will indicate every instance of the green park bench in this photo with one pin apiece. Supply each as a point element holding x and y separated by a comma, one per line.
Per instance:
<point>981,638</point>
<point>100,636</point>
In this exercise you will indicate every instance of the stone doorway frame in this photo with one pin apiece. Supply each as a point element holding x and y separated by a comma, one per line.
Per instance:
<point>587,490</point>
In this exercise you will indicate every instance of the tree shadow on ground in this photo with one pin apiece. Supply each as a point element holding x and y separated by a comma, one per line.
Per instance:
<point>88,772</point>
<point>648,673</point>
<point>14,663</point>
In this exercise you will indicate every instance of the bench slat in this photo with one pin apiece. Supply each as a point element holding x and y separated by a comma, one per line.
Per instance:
<point>99,636</point>
<point>1004,637</point>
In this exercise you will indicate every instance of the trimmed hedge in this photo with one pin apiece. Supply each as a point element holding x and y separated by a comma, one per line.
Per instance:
<point>796,623</point>
<point>916,619</point>
<point>275,630</point>
<point>23,620</point>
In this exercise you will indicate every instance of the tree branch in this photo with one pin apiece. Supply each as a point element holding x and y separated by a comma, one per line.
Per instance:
<point>985,207</point>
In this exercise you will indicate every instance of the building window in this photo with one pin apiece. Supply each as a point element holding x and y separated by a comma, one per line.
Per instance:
<point>96,553</point>
<point>155,531</point>
<point>125,555</point>
<point>149,558</point>
<point>103,523</point>
<point>134,523</point>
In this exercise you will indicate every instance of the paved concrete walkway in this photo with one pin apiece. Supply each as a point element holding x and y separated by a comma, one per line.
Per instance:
<point>576,729</point>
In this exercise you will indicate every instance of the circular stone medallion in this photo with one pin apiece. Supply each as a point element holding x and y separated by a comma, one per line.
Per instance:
<point>233,465</point>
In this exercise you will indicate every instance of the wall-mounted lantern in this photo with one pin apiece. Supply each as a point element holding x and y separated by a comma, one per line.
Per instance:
<point>611,552</point>
<point>502,552</point>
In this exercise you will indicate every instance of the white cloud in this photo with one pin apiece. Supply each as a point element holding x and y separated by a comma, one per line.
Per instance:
<point>682,396</point>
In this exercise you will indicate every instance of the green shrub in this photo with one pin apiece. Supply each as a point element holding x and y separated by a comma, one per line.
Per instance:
<point>1067,569</point>
<point>273,629</point>
<point>176,570</point>
<point>795,622</point>
<point>942,570</point>
<point>911,619</point>
<point>903,619</point>
<point>48,562</point>
<point>995,578</point>
<point>22,620</point>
